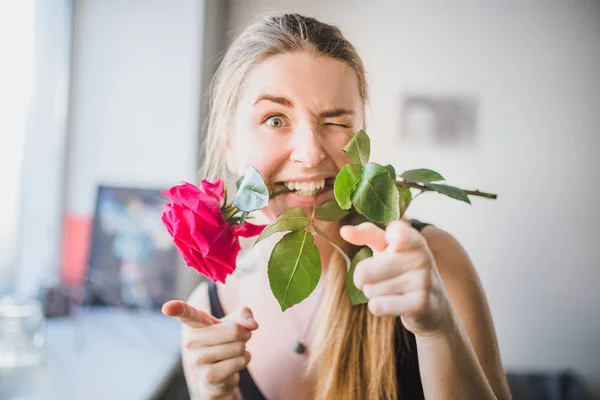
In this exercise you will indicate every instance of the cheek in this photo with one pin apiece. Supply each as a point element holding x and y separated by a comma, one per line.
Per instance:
<point>266,155</point>
<point>334,146</point>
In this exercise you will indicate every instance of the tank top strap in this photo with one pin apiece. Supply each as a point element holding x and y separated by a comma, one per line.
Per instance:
<point>216,309</point>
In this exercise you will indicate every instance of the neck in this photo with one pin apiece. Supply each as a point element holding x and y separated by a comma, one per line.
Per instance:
<point>326,250</point>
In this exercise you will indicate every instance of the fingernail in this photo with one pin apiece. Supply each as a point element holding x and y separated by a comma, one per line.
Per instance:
<point>250,320</point>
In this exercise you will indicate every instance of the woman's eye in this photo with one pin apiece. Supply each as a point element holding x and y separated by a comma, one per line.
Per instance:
<point>275,121</point>
<point>334,124</point>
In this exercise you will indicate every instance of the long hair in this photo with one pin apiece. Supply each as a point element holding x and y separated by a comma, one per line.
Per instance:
<point>353,355</point>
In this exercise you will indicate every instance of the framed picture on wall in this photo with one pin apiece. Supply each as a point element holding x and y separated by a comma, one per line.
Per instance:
<point>439,120</point>
<point>132,259</point>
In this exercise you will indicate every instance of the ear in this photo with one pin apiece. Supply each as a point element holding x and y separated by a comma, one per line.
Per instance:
<point>229,158</point>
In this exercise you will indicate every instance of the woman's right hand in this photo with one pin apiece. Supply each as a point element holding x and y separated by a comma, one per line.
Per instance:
<point>214,350</point>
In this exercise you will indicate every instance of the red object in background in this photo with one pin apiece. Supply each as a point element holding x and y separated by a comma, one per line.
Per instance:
<point>75,249</point>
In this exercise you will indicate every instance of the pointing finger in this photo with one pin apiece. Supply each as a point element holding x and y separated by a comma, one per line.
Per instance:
<point>365,234</point>
<point>188,315</point>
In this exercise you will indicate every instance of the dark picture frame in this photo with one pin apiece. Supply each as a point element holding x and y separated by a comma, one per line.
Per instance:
<point>132,258</point>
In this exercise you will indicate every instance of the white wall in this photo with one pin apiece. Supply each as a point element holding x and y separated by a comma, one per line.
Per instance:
<point>135,95</point>
<point>136,92</point>
<point>41,183</point>
<point>534,68</point>
<point>16,80</point>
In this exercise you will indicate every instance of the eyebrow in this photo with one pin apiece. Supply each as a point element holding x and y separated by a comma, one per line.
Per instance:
<point>275,99</point>
<point>336,112</point>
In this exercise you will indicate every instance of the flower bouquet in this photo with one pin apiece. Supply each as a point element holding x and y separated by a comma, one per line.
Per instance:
<point>206,228</point>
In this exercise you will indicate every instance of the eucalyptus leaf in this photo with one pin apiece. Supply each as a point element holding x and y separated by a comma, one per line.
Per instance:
<point>294,268</point>
<point>376,195</point>
<point>422,175</point>
<point>252,193</point>
<point>359,148</point>
<point>405,199</point>
<point>345,183</point>
<point>391,170</point>
<point>292,219</point>
<point>450,191</point>
<point>356,295</point>
<point>330,211</point>
<point>238,182</point>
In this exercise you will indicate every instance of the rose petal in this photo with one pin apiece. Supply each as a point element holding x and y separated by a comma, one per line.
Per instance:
<point>215,189</point>
<point>191,258</point>
<point>185,229</point>
<point>247,230</point>
<point>166,218</point>
<point>189,196</point>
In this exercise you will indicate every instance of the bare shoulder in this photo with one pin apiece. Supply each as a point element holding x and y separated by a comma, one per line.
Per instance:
<point>458,274</point>
<point>444,245</point>
<point>453,262</point>
<point>468,299</point>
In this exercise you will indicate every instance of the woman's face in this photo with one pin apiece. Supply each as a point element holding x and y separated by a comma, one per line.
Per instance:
<point>295,115</point>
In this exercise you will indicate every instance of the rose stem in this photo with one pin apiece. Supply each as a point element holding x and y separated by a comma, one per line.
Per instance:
<point>423,188</point>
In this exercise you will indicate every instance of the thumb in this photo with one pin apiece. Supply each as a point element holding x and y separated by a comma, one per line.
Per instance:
<point>244,317</point>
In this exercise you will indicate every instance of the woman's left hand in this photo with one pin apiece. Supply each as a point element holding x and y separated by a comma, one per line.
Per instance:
<point>401,278</point>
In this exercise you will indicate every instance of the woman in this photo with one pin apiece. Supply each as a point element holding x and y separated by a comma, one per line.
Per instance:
<point>287,97</point>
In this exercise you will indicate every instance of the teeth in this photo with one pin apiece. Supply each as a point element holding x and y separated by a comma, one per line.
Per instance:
<point>306,188</point>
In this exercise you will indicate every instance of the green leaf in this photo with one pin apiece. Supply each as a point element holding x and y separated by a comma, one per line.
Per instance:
<point>294,268</point>
<point>376,196</point>
<point>405,199</point>
<point>243,218</point>
<point>253,193</point>
<point>239,182</point>
<point>421,175</point>
<point>359,148</point>
<point>330,211</point>
<point>357,219</point>
<point>345,183</point>
<point>292,219</point>
<point>450,191</point>
<point>356,296</point>
<point>391,170</point>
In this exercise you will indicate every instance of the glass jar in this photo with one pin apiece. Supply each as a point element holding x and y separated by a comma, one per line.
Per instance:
<point>22,332</point>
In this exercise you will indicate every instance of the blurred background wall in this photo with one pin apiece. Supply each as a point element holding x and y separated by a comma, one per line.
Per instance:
<point>138,74</point>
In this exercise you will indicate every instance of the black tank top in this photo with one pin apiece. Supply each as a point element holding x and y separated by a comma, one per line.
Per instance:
<point>407,362</point>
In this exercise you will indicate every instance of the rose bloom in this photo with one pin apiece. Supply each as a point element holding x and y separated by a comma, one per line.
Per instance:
<point>207,242</point>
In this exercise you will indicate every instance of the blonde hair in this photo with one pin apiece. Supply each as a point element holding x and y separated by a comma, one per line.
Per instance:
<point>268,37</point>
<point>353,355</point>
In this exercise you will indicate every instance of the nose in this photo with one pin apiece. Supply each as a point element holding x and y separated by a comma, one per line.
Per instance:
<point>307,148</point>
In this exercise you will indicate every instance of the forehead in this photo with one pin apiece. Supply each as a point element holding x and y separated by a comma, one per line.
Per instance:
<point>312,80</point>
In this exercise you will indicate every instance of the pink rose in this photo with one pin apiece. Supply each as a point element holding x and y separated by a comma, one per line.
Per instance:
<point>206,241</point>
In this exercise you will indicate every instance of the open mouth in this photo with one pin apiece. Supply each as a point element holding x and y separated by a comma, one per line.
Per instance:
<point>305,188</point>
